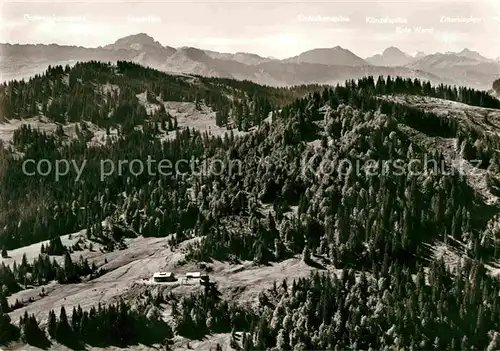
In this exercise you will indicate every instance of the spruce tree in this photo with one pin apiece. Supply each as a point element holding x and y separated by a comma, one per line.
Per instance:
<point>52,324</point>
<point>63,330</point>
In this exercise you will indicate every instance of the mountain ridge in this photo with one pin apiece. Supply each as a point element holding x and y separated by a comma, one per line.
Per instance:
<point>320,65</point>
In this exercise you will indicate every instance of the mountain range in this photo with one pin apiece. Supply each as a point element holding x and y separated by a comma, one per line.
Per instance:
<point>268,243</point>
<point>320,65</point>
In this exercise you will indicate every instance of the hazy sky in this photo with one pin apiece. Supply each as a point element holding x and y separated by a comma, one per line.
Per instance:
<point>278,28</point>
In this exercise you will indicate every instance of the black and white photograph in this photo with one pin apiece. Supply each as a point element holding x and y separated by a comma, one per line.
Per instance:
<point>243,175</point>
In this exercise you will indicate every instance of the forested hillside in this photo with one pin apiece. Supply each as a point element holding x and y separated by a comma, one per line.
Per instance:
<point>288,199</point>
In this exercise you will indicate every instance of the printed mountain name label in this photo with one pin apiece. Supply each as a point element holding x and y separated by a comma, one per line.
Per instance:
<point>415,30</point>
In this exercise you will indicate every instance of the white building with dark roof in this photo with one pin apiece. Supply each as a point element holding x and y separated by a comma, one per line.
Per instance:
<point>196,275</point>
<point>160,277</point>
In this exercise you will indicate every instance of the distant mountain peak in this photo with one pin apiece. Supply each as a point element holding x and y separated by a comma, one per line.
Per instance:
<point>142,35</point>
<point>466,51</point>
<point>395,53</point>
<point>138,42</point>
<point>470,54</point>
<point>390,57</point>
<point>141,38</point>
<point>393,50</point>
<point>329,56</point>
